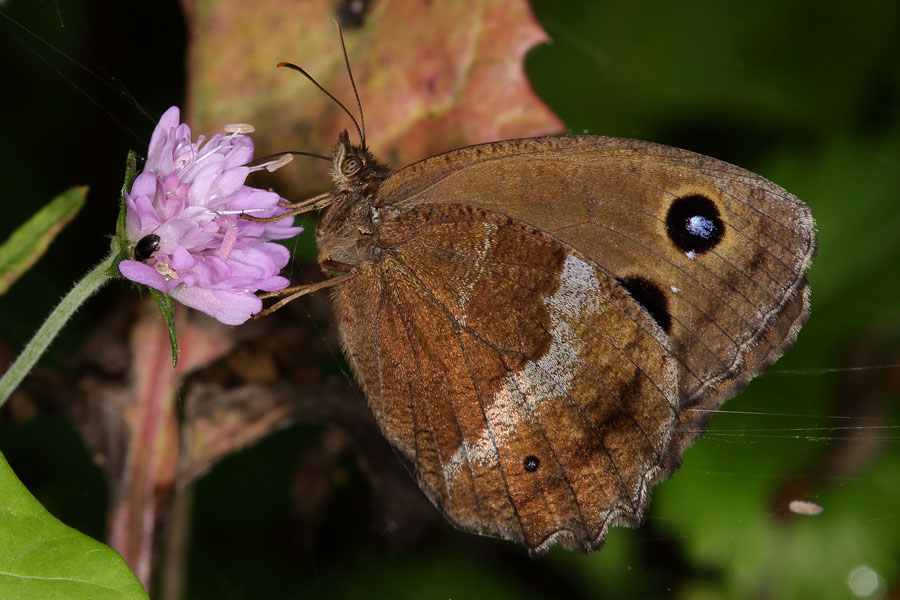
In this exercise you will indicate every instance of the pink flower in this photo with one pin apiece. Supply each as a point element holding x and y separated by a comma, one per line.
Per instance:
<point>183,221</point>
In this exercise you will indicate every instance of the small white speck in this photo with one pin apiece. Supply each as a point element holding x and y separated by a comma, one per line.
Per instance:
<point>691,254</point>
<point>863,581</point>
<point>674,289</point>
<point>700,226</point>
<point>239,128</point>
<point>278,162</point>
<point>802,507</point>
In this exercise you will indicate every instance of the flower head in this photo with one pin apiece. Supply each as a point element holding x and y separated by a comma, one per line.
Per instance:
<point>183,222</point>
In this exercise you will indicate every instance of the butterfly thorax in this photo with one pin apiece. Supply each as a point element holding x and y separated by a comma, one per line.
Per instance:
<point>345,235</point>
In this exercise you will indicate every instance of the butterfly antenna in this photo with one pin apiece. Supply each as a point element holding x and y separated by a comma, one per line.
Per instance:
<point>362,117</point>
<point>327,93</point>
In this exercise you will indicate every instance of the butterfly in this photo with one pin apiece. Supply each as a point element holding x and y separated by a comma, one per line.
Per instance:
<point>542,326</point>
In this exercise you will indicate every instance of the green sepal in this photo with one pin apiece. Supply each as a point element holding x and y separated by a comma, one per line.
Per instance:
<point>167,308</point>
<point>120,242</point>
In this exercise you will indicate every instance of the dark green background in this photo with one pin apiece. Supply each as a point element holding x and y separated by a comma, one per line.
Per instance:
<point>806,94</point>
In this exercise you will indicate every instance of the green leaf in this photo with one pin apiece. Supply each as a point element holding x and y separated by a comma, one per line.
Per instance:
<point>166,307</point>
<point>29,242</point>
<point>43,559</point>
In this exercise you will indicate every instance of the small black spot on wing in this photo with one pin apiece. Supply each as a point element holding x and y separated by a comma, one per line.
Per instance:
<point>531,463</point>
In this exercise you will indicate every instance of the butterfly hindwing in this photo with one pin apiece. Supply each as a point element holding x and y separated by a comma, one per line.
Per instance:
<point>535,398</point>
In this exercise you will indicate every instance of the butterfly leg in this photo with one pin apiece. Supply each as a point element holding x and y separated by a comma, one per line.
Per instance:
<point>294,292</point>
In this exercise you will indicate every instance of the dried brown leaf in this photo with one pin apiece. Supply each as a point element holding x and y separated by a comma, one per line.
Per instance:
<point>432,76</point>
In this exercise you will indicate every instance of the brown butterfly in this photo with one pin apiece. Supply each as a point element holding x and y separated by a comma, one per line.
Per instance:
<point>542,326</point>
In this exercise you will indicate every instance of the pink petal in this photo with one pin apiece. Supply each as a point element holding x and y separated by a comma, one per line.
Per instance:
<point>273,284</point>
<point>240,154</point>
<point>138,272</point>
<point>200,189</point>
<point>231,181</point>
<point>146,212</point>
<point>231,308</point>
<point>167,123</point>
<point>248,198</point>
<point>173,234</point>
<point>203,167</point>
<point>213,271</point>
<point>145,185</point>
<point>281,230</point>
<point>182,259</point>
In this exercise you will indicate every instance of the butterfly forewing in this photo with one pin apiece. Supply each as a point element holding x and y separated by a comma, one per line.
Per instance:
<point>718,251</point>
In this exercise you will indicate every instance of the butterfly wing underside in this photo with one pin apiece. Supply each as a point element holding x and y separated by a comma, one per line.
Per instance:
<point>543,325</point>
<point>535,399</point>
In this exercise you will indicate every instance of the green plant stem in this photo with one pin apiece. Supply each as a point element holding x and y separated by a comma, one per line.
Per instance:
<point>77,296</point>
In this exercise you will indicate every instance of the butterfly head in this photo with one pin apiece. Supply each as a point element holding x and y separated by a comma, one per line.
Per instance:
<point>354,169</point>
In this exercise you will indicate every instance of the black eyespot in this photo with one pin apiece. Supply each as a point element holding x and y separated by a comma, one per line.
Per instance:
<point>531,463</point>
<point>351,166</point>
<point>694,225</point>
<point>145,247</point>
<point>651,299</point>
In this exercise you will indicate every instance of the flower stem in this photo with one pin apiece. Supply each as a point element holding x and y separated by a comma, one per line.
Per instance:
<point>77,296</point>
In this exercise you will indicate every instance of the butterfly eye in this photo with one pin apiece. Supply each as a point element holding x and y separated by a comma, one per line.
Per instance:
<point>351,166</point>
